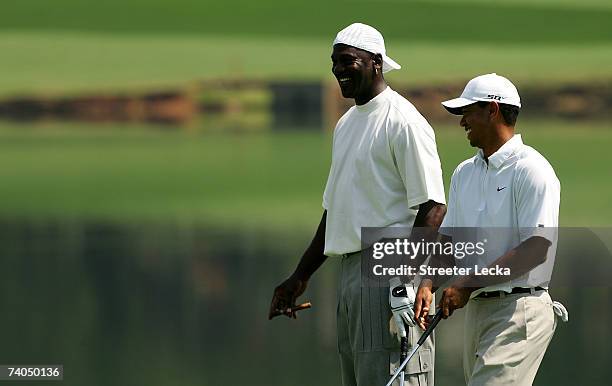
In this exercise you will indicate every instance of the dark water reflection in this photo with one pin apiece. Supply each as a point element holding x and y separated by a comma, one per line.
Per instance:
<point>172,304</point>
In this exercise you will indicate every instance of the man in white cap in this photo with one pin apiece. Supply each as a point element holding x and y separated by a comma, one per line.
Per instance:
<point>385,172</point>
<point>509,192</point>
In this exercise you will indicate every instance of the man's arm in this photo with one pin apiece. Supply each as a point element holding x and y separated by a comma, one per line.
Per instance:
<point>429,284</point>
<point>520,260</point>
<point>426,224</point>
<point>430,214</point>
<point>313,257</point>
<point>283,299</point>
<point>401,296</point>
<point>442,260</point>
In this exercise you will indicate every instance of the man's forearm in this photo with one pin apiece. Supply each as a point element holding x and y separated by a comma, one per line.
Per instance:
<point>313,257</point>
<point>439,262</point>
<point>520,260</point>
<point>426,224</point>
<point>428,219</point>
<point>430,214</point>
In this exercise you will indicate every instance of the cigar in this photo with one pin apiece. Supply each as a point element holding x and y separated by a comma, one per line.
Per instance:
<point>303,306</point>
<point>299,307</point>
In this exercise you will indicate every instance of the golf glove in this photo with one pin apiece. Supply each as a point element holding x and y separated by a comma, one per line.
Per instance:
<point>401,300</point>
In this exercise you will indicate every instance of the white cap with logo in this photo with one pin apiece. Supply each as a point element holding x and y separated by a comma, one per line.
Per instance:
<point>366,38</point>
<point>485,88</point>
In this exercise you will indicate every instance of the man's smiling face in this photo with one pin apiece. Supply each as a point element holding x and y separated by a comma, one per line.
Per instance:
<point>476,121</point>
<point>354,69</point>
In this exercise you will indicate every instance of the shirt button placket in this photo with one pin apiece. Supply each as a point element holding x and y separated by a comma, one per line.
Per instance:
<point>483,189</point>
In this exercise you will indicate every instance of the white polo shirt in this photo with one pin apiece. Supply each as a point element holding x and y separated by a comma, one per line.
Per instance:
<point>516,192</point>
<point>384,164</point>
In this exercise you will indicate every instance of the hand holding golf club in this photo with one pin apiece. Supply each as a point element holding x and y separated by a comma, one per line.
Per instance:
<point>284,297</point>
<point>401,300</point>
<point>422,303</point>
<point>453,298</point>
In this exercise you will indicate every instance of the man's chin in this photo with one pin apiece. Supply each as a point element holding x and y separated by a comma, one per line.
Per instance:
<point>349,93</point>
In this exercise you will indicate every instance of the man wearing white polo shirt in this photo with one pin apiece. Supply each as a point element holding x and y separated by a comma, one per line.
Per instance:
<point>385,172</point>
<point>509,192</point>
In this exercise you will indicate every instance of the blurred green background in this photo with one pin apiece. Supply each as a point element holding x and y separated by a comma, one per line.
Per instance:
<point>145,252</point>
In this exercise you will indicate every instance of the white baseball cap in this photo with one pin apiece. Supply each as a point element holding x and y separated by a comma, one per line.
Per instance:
<point>366,38</point>
<point>484,88</point>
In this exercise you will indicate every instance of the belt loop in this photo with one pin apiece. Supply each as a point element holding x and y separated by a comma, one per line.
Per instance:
<point>502,294</point>
<point>532,290</point>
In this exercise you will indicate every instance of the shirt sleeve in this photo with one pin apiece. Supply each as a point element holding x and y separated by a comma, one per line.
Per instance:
<point>329,184</point>
<point>537,197</point>
<point>326,193</point>
<point>449,221</point>
<point>417,161</point>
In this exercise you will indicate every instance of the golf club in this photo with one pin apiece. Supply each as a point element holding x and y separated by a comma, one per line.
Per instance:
<point>434,322</point>
<point>403,355</point>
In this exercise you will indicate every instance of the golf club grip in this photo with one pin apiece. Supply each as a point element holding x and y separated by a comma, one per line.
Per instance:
<point>436,319</point>
<point>403,348</point>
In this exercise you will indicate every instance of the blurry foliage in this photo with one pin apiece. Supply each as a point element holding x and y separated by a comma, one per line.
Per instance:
<point>272,179</point>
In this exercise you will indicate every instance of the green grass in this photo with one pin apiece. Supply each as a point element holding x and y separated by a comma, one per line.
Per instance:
<point>264,180</point>
<point>80,63</point>
<point>457,21</point>
<point>77,46</point>
<point>592,4</point>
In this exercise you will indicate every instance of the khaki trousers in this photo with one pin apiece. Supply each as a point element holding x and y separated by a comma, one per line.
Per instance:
<point>506,338</point>
<point>369,353</point>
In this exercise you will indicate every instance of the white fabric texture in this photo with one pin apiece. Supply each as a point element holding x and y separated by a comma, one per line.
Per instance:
<point>506,338</point>
<point>384,164</point>
<point>366,38</point>
<point>485,88</point>
<point>517,190</point>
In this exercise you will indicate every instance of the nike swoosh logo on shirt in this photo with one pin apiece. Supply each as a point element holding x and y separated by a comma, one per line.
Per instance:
<point>500,189</point>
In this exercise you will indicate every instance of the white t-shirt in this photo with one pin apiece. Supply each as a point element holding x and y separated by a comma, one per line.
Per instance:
<point>518,193</point>
<point>384,164</point>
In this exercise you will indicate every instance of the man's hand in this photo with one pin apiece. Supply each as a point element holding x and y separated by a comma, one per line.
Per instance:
<point>454,298</point>
<point>284,297</point>
<point>424,297</point>
<point>401,300</point>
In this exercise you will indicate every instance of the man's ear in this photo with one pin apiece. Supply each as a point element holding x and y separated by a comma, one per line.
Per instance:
<point>493,109</point>
<point>378,62</point>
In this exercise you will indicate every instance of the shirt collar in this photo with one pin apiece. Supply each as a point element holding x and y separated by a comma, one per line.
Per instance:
<point>503,153</point>
<point>373,103</point>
